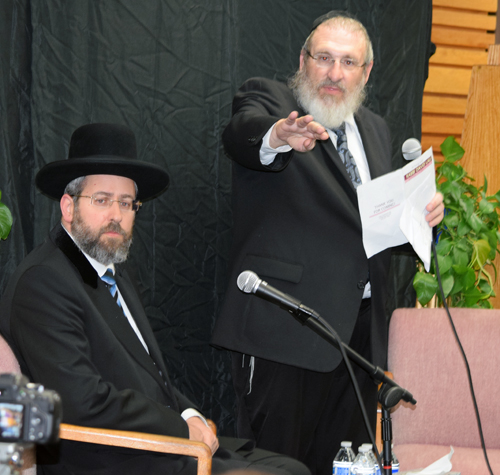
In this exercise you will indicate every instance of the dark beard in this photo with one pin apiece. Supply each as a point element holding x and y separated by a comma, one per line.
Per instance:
<point>109,252</point>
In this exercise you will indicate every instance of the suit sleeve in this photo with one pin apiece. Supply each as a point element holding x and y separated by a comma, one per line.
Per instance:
<point>257,106</point>
<point>50,328</point>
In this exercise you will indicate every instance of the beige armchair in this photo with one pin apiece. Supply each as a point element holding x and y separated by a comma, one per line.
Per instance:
<point>425,359</point>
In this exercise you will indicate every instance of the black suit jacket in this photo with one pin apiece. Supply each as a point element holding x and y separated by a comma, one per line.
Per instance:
<point>297,225</point>
<point>69,334</point>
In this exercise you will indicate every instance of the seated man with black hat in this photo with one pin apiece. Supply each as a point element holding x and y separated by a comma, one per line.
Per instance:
<point>76,324</point>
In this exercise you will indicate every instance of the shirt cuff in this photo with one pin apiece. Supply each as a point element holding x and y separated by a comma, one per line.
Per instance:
<point>267,153</point>
<point>188,413</point>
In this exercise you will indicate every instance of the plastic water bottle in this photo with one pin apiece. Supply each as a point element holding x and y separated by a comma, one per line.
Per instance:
<point>395,461</point>
<point>362,464</point>
<point>344,459</point>
<point>373,458</point>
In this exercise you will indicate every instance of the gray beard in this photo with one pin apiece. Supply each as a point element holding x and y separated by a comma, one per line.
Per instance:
<point>329,111</point>
<point>89,241</point>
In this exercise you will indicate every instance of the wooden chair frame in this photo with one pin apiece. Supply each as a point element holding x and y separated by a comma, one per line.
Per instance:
<point>142,441</point>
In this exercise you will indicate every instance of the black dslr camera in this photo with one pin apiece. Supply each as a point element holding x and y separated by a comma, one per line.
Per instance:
<point>29,413</point>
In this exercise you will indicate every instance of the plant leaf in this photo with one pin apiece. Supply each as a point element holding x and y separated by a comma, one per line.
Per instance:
<point>5,221</point>
<point>486,207</point>
<point>463,228</point>
<point>425,286</point>
<point>451,220</point>
<point>480,252</point>
<point>453,173</point>
<point>472,297</point>
<point>460,257</point>
<point>445,263</point>
<point>451,189</point>
<point>475,222</point>
<point>464,245</point>
<point>444,246</point>
<point>467,204</point>
<point>447,281</point>
<point>469,279</point>
<point>451,150</point>
<point>485,287</point>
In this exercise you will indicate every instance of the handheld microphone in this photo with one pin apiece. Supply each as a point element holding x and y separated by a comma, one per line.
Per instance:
<point>250,283</point>
<point>411,149</point>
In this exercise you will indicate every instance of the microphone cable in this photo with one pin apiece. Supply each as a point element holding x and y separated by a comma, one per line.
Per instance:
<point>354,381</point>
<point>469,376</point>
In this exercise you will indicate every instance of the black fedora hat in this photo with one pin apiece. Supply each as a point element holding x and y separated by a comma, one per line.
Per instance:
<point>102,149</point>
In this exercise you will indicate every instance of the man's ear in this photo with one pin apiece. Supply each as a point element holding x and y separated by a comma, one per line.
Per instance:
<point>302,59</point>
<point>67,209</point>
<point>368,70</point>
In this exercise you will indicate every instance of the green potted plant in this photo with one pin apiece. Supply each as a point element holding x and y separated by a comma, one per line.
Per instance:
<point>5,220</point>
<point>468,237</point>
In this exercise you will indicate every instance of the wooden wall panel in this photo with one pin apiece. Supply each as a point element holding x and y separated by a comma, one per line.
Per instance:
<point>463,19</point>
<point>437,103</point>
<point>446,35</point>
<point>462,31</point>
<point>459,56</point>
<point>480,138</point>
<point>448,80</point>
<point>476,5</point>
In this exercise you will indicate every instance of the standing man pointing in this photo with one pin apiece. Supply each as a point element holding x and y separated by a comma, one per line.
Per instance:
<point>299,153</point>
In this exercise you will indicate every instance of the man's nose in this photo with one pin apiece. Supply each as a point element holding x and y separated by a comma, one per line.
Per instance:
<point>335,72</point>
<point>115,212</point>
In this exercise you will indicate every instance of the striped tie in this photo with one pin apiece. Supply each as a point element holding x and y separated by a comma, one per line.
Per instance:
<point>346,155</point>
<point>109,280</point>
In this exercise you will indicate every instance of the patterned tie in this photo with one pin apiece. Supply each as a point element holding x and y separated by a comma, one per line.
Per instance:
<point>109,280</point>
<point>346,155</point>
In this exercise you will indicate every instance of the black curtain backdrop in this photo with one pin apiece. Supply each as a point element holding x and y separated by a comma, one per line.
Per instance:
<point>169,69</point>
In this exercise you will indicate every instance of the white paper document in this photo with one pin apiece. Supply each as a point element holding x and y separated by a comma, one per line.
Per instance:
<point>392,208</point>
<point>439,467</point>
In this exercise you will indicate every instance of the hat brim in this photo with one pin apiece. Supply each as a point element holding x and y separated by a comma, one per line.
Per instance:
<point>151,179</point>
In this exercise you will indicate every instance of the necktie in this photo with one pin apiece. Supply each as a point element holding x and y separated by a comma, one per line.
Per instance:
<point>109,280</point>
<point>346,155</point>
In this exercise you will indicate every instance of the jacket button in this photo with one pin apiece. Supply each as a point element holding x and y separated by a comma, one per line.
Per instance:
<point>361,285</point>
<point>252,139</point>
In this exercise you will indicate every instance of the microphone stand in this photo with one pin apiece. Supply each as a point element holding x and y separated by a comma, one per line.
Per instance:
<point>389,394</point>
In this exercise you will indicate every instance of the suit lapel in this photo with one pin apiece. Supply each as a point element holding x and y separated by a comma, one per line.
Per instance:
<point>369,135</point>
<point>153,361</point>
<point>137,310</point>
<point>340,168</point>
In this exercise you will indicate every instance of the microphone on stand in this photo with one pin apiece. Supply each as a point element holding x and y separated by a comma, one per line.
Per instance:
<point>250,283</point>
<point>411,149</point>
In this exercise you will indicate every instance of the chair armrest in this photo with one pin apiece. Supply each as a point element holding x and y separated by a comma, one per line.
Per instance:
<point>141,441</point>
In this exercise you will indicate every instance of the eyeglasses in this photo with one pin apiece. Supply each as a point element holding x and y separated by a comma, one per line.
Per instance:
<point>103,201</point>
<point>326,61</point>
